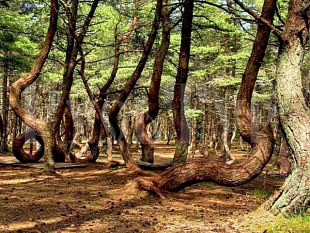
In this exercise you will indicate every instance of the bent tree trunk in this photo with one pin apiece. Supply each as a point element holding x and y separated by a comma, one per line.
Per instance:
<point>17,88</point>
<point>99,120</point>
<point>116,107</point>
<point>261,140</point>
<point>294,195</point>
<point>144,119</point>
<point>180,124</point>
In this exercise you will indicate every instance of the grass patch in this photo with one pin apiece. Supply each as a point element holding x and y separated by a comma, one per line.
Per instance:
<point>266,222</point>
<point>260,194</point>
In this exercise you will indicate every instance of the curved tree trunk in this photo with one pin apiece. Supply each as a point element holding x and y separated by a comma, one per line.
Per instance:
<point>180,124</point>
<point>19,86</point>
<point>99,121</point>
<point>294,195</point>
<point>261,139</point>
<point>144,119</point>
<point>73,45</point>
<point>116,107</point>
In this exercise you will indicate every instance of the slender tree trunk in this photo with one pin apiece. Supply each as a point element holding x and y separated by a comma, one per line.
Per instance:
<point>144,119</point>
<point>262,144</point>
<point>73,46</point>
<point>116,107</point>
<point>99,120</point>
<point>19,86</point>
<point>1,129</point>
<point>181,127</point>
<point>294,196</point>
<point>5,107</point>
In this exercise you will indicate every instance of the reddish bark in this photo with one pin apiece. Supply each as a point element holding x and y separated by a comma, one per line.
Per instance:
<point>260,139</point>
<point>19,152</point>
<point>19,86</point>
<point>99,122</point>
<point>180,124</point>
<point>144,119</point>
<point>116,107</point>
<point>73,45</point>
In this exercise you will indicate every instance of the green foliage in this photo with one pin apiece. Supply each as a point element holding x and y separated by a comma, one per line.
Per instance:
<point>193,113</point>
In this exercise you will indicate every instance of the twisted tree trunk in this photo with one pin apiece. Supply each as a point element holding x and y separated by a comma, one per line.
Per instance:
<point>144,119</point>
<point>116,107</point>
<point>19,86</point>
<point>260,139</point>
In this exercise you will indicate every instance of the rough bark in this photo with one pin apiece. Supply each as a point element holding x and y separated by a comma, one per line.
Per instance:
<point>262,143</point>
<point>1,127</point>
<point>294,196</point>
<point>17,88</point>
<point>146,118</point>
<point>116,107</point>
<point>180,124</point>
<point>19,152</point>
<point>74,42</point>
<point>93,142</point>
<point>3,140</point>
<point>92,157</point>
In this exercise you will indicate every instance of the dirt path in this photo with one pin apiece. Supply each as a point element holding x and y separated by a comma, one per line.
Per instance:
<point>98,199</point>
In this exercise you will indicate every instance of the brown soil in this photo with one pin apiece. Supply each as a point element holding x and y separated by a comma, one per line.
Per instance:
<point>99,199</point>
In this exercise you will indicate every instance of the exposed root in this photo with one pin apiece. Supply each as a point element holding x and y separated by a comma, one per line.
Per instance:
<point>149,185</point>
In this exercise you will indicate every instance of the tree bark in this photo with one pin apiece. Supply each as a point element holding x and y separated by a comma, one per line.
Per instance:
<point>116,107</point>
<point>1,129</point>
<point>19,86</point>
<point>261,140</point>
<point>5,106</point>
<point>74,43</point>
<point>98,122</point>
<point>146,118</point>
<point>294,196</point>
<point>180,124</point>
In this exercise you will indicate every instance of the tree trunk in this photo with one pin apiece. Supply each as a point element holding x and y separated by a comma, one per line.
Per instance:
<point>116,107</point>
<point>261,139</point>
<point>5,107</point>
<point>1,129</point>
<point>144,119</point>
<point>294,195</point>
<point>19,86</point>
<point>180,124</point>
<point>74,43</point>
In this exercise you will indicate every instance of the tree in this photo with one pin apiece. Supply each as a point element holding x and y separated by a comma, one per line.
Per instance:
<point>260,139</point>
<point>153,95</point>
<point>131,82</point>
<point>19,86</point>
<point>181,127</point>
<point>293,197</point>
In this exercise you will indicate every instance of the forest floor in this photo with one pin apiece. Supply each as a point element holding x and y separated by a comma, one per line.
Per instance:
<point>99,199</point>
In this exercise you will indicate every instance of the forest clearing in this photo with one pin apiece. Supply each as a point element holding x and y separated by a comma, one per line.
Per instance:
<point>100,199</point>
